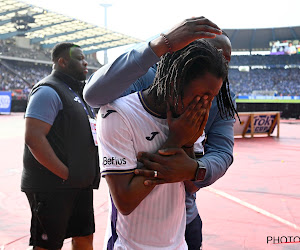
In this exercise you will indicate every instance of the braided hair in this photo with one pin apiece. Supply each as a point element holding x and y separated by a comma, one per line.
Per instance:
<point>179,68</point>
<point>224,100</point>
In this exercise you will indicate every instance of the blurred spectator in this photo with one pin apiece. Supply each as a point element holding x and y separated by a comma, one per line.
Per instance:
<point>272,76</point>
<point>284,81</point>
<point>19,77</point>
<point>8,48</point>
<point>265,60</point>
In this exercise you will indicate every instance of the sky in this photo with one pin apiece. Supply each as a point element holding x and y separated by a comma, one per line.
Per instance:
<point>145,19</point>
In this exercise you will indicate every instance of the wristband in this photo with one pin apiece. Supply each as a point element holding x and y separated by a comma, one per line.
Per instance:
<point>167,42</point>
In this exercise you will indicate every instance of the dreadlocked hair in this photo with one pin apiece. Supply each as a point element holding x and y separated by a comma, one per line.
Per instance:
<point>179,68</point>
<point>224,102</point>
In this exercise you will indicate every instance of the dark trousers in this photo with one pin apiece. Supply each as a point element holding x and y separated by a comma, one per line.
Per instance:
<point>193,234</point>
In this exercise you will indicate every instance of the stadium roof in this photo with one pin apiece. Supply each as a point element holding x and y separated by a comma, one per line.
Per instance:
<point>259,39</point>
<point>48,28</point>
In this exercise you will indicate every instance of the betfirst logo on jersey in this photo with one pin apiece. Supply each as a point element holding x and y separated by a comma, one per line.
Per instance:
<point>113,161</point>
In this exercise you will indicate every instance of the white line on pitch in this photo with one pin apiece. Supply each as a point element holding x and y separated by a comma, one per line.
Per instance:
<point>255,208</point>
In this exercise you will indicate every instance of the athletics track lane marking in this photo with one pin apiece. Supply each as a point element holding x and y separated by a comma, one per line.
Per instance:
<point>252,207</point>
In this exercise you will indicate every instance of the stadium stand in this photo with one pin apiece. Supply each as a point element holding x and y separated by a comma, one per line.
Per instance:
<point>266,60</point>
<point>266,74</point>
<point>283,82</point>
<point>19,77</point>
<point>25,54</point>
<point>34,27</point>
<point>27,35</point>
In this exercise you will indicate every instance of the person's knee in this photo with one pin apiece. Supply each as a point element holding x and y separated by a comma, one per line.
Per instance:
<point>83,242</point>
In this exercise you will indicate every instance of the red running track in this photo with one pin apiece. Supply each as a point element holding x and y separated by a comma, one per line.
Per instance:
<point>253,206</point>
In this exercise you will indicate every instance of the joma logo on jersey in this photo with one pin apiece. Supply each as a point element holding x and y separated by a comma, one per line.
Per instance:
<point>113,161</point>
<point>108,112</point>
<point>153,134</point>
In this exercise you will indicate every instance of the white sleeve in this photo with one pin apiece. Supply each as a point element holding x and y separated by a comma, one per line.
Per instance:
<point>115,143</point>
<point>198,146</point>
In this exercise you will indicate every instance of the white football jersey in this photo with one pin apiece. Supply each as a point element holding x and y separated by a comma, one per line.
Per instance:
<point>126,127</point>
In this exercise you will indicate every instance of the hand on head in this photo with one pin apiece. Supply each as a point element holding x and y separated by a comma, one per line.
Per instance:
<point>184,33</point>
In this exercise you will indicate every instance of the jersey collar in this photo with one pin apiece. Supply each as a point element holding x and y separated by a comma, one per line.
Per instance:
<point>148,109</point>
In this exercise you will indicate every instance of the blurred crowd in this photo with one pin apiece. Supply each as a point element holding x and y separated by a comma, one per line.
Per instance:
<point>8,48</point>
<point>265,60</point>
<point>19,77</point>
<point>279,73</point>
<point>283,82</point>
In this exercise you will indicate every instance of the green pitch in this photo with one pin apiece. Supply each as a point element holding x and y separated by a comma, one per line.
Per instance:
<point>266,101</point>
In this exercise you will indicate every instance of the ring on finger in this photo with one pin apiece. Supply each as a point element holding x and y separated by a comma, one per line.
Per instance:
<point>155,174</point>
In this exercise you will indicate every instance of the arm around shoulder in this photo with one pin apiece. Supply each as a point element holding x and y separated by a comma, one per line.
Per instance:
<point>111,80</point>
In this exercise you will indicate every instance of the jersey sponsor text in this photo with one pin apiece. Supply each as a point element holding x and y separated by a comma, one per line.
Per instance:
<point>113,161</point>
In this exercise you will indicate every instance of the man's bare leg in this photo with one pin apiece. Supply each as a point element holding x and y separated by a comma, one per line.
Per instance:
<point>85,242</point>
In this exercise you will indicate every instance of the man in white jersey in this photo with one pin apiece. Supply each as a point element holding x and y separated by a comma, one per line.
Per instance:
<point>153,217</point>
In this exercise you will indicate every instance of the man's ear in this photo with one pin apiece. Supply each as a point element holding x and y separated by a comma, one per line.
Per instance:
<point>62,62</point>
